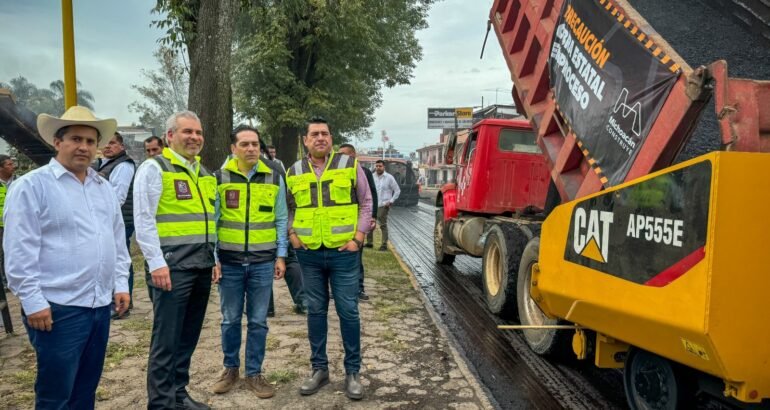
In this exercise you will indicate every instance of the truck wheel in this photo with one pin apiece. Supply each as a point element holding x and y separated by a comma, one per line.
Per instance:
<point>652,382</point>
<point>439,241</point>
<point>546,342</point>
<point>500,265</point>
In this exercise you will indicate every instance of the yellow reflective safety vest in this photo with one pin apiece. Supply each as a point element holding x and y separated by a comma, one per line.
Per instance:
<point>185,215</point>
<point>326,209</point>
<point>246,209</point>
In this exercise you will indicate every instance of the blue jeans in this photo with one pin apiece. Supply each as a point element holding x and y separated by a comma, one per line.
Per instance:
<point>255,283</point>
<point>70,357</point>
<point>320,269</point>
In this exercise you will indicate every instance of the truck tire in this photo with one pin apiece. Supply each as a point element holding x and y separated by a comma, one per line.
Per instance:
<point>545,342</point>
<point>653,382</point>
<point>439,241</point>
<point>500,266</point>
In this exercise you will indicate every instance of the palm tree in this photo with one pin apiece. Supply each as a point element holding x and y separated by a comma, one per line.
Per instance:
<point>85,98</point>
<point>45,100</point>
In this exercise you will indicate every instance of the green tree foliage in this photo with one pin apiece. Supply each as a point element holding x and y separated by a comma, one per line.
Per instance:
<point>164,91</point>
<point>45,100</point>
<point>295,59</point>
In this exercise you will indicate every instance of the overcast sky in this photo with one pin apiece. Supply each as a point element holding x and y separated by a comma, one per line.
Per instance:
<point>114,41</point>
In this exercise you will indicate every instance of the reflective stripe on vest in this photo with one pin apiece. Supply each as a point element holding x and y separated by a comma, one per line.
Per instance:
<point>185,214</point>
<point>247,209</point>
<point>327,216</point>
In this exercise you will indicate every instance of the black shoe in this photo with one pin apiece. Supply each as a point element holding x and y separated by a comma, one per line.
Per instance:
<point>271,313</point>
<point>189,404</point>
<point>384,247</point>
<point>312,384</point>
<point>353,388</point>
<point>116,316</point>
<point>300,309</point>
<point>369,245</point>
<point>363,296</point>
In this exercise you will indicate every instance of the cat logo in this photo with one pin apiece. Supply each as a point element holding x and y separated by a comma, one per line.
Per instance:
<point>591,237</point>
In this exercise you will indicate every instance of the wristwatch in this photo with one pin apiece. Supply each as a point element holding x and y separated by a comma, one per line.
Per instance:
<point>360,244</point>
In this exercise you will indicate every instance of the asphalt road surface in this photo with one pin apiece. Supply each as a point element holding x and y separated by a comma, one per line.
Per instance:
<point>515,377</point>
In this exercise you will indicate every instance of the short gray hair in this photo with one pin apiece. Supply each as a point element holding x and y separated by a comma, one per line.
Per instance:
<point>171,121</point>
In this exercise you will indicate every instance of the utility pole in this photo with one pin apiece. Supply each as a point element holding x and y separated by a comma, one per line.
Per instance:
<point>68,37</point>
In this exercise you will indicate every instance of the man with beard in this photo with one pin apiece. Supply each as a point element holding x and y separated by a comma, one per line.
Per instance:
<point>174,199</point>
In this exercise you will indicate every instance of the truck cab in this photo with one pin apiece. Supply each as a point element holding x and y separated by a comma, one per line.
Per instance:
<point>499,170</point>
<point>500,153</point>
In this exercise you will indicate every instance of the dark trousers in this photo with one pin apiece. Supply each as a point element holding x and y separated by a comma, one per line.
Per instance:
<point>293,279</point>
<point>70,357</point>
<point>148,282</point>
<point>320,269</point>
<point>382,222</point>
<point>129,232</point>
<point>178,319</point>
<point>3,280</point>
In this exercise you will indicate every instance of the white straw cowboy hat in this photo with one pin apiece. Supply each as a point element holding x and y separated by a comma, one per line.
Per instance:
<point>47,125</point>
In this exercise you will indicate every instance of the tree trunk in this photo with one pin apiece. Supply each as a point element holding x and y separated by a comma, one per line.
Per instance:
<point>211,96</point>
<point>287,145</point>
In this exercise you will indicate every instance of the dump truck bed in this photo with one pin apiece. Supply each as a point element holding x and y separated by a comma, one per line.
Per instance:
<point>526,31</point>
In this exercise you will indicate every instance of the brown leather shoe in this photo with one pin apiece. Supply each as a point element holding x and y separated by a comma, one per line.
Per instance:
<point>226,381</point>
<point>260,386</point>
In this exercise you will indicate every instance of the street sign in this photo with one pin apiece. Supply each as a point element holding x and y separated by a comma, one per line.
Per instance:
<point>445,117</point>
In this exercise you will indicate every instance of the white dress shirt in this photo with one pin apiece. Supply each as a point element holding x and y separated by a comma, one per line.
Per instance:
<point>120,178</point>
<point>64,240</point>
<point>387,188</point>
<point>148,186</point>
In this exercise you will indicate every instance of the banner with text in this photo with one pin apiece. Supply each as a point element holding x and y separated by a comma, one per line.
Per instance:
<point>608,83</point>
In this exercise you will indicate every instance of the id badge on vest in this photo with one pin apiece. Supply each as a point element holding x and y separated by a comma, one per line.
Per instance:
<point>232,198</point>
<point>182,189</point>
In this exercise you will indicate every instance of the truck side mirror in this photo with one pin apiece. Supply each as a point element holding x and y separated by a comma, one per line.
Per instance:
<point>449,149</point>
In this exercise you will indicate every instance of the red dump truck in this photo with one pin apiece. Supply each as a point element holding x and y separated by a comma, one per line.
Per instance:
<point>635,261</point>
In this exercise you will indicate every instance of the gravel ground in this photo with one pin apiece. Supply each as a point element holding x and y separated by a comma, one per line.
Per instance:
<point>406,361</point>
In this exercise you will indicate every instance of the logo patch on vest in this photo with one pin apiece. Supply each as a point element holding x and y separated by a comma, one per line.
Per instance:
<point>232,198</point>
<point>182,189</point>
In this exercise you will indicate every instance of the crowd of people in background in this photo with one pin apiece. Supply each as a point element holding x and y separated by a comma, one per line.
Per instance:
<point>67,227</point>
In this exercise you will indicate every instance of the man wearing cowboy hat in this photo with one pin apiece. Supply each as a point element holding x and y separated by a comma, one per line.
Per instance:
<point>65,258</point>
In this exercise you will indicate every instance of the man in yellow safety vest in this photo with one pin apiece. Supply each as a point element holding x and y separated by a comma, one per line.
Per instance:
<point>174,199</point>
<point>252,244</point>
<point>330,209</point>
